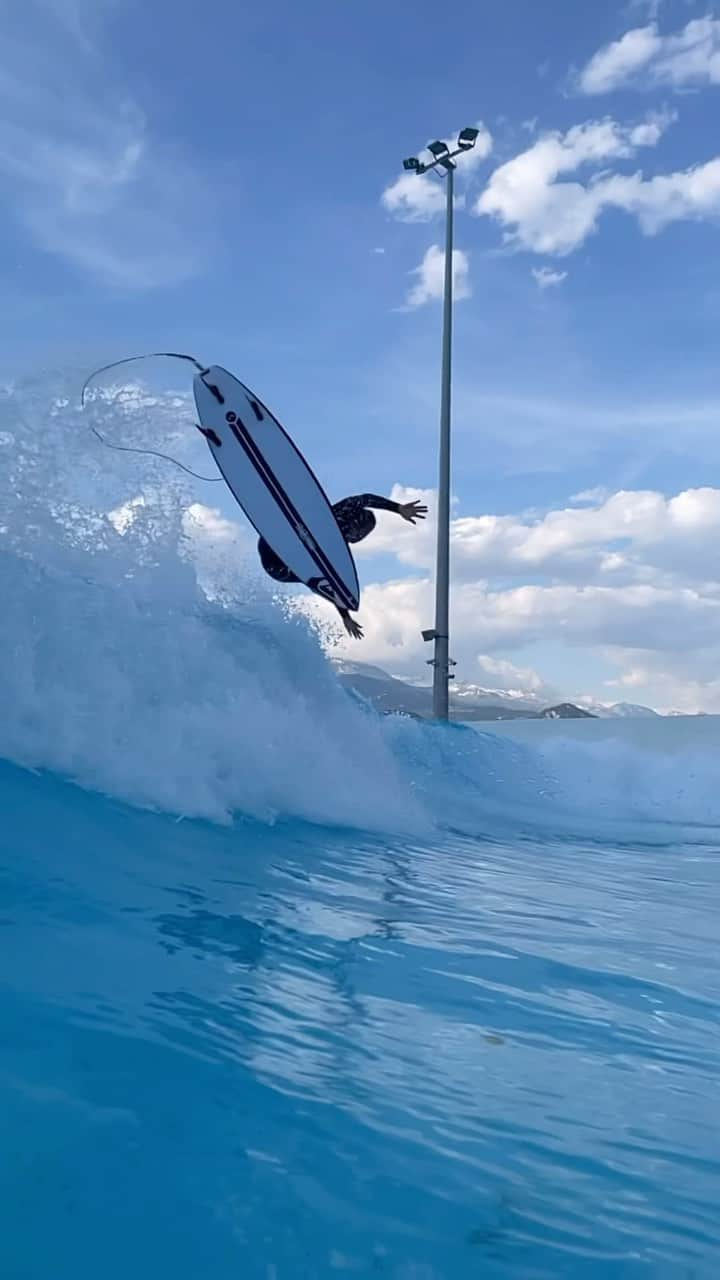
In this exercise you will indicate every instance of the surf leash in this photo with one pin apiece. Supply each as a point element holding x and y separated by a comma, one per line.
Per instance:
<point>153,453</point>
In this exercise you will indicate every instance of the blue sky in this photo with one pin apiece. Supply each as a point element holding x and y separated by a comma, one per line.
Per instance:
<point>213,180</point>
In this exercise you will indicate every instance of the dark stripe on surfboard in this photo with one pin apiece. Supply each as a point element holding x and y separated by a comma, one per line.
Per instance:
<point>288,508</point>
<point>254,399</point>
<point>276,490</point>
<point>284,501</point>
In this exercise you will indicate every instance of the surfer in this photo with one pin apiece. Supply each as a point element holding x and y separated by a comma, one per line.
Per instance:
<point>355,520</point>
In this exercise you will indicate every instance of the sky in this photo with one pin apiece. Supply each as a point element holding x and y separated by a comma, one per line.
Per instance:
<point>228,181</point>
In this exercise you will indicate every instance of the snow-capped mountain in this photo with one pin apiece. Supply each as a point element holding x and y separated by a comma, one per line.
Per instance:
<point>465,693</point>
<point>613,710</point>
<point>472,701</point>
<point>467,701</point>
<point>477,694</point>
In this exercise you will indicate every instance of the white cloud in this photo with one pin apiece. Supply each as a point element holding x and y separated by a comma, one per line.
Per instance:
<point>78,165</point>
<point>632,580</point>
<point>507,676</point>
<point>590,496</point>
<point>642,616</point>
<point>546,216</point>
<point>632,679</point>
<point>651,130</point>
<point>673,197</point>
<point>414,198</point>
<point>420,198</point>
<point>644,58</point>
<point>637,536</point>
<point>655,619</point>
<point>687,683</point>
<point>546,278</point>
<point>431,277</point>
<point>616,62</point>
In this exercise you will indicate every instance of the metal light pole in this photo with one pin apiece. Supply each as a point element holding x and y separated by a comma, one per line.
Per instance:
<point>444,159</point>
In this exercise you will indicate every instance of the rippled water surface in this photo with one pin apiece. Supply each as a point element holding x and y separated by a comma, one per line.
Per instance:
<point>294,1052</point>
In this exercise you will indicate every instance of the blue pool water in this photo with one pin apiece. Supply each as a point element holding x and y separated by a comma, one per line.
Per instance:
<point>291,991</point>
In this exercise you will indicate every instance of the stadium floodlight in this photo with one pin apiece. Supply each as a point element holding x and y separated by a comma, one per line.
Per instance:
<point>467,138</point>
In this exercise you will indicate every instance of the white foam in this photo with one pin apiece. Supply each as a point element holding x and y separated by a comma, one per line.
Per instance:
<point>116,668</point>
<point>652,769</point>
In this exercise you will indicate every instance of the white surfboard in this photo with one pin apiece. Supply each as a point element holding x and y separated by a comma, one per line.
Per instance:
<point>274,485</point>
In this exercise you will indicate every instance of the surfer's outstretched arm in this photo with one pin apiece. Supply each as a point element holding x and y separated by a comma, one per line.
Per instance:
<point>410,511</point>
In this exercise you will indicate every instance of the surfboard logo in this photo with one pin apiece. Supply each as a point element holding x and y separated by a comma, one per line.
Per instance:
<point>327,591</point>
<point>257,411</point>
<point>305,536</point>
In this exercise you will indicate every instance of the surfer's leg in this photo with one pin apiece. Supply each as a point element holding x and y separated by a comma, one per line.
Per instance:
<point>352,627</point>
<point>273,565</point>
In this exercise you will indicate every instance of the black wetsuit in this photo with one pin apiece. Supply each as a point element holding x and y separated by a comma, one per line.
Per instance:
<point>355,519</point>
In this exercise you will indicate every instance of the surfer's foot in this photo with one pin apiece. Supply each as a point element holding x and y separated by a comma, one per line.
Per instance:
<point>352,627</point>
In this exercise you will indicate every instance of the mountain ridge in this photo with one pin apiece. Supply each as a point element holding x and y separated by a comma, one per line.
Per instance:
<point>467,702</point>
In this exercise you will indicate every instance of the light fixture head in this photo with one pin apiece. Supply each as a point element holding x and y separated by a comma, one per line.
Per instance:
<point>438,149</point>
<point>467,138</point>
<point>412,164</point>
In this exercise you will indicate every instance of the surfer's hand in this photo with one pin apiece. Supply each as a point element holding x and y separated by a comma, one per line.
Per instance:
<point>412,511</point>
<point>352,627</point>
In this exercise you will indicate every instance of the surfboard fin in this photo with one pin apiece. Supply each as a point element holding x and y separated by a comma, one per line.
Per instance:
<point>214,391</point>
<point>209,434</point>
